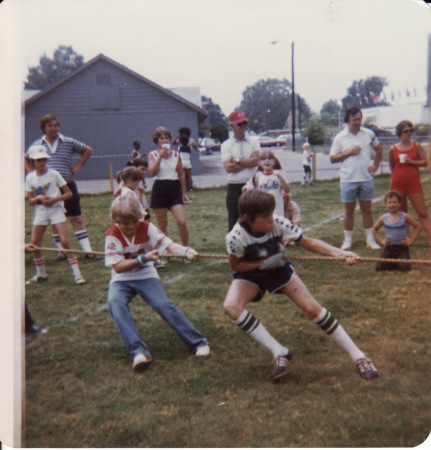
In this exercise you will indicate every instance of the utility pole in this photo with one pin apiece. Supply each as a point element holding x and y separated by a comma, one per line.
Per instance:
<point>293,102</point>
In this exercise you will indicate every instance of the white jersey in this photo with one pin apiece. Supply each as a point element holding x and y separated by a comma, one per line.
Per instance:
<point>48,184</point>
<point>117,247</point>
<point>241,243</point>
<point>354,169</point>
<point>168,167</point>
<point>271,184</point>
<point>306,157</point>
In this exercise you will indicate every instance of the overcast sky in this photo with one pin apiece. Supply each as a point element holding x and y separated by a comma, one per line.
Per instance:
<point>223,46</point>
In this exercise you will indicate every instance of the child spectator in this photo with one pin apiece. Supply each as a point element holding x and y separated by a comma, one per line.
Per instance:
<point>306,164</point>
<point>46,190</point>
<point>397,239</point>
<point>270,178</point>
<point>131,247</point>
<point>256,247</point>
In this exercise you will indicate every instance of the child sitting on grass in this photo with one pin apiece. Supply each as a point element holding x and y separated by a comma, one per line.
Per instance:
<point>131,246</point>
<point>256,248</point>
<point>397,241</point>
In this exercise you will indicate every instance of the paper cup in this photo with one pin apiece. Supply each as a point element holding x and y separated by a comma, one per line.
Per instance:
<point>403,158</point>
<point>166,146</point>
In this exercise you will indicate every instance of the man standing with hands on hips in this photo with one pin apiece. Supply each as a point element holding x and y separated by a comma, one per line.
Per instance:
<point>353,148</point>
<point>240,156</point>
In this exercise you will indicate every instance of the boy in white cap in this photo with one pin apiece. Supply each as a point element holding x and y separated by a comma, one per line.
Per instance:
<point>46,190</point>
<point>306,164</point>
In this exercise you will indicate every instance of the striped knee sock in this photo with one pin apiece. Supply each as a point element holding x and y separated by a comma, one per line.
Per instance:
<point>329,324</point>
<point>56,238</point>
<point>40,266</point>
<point>253,327</point>
<point>83,240</point>
<point>74,266</point>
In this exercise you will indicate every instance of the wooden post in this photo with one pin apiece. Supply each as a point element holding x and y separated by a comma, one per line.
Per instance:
<point>314,166</point>
<point>111,185</point>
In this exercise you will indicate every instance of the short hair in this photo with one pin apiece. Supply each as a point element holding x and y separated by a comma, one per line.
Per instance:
<point>137,162</point>
<point>47,119</point>
<point>160,131</point>
<point>185,130</point>
<point>184,139</point>
<point>393,193</point>
<point>401,125</point>
<point>254,203</point>
<point>136,143</point>
<point>126,207</point>
<point>352,111</point>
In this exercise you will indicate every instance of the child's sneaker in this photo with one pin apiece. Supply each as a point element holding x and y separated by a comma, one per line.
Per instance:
<point>79,279</point>
<point>36,279</point>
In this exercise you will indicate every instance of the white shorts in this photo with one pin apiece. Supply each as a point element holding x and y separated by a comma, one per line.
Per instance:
<point>185,159</point>
<point>46,216</point>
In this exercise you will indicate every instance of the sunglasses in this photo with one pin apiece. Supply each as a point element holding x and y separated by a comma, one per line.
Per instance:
<point>269,158</point>
<point>410,130</point>
<point>242,124</point>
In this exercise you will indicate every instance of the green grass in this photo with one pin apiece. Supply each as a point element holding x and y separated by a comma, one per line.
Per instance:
<point>82,392</point>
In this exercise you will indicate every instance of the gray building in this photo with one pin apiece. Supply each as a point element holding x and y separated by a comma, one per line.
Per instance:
<point>108,106</point>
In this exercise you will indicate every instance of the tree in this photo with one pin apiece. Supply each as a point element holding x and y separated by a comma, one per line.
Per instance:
<point>315,130</point>
<point>50,71</point>
<point>330,113</point>
<point>365,93</point>
<point>216,115</point>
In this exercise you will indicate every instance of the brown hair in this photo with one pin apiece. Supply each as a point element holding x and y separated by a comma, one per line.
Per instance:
<point>47,119</point>
<point>130,173</point>
<point>401,125</point>
<point>254,203</point>
<point>126,207</point>
<point>393,193</point>
<point>160,131</point>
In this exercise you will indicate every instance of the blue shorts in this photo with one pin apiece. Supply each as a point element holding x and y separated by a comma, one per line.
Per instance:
<point>272,280</point>
<point>362,190</point>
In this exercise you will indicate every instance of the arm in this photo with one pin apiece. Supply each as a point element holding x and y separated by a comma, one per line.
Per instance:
<point>154,163</point>
<point>232,165</point>
<point>343,155</point>
<point>239,265</point>
<point>322,248</point>
<point>418,228</point>
<point>377,158</point>
<point>84,158</point>
<point>178,249</point>
<point>125,265</point>
<point>285,185</point>
<point>66,194</point>
<point>376,234</point>
<point>422,161</point>
<point>182,178</point>
<point>391,159</point>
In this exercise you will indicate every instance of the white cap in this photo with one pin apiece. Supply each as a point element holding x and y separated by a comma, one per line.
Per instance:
<point>37,152</point>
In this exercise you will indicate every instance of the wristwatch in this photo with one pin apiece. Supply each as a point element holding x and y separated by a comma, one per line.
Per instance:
<point>236,160</point>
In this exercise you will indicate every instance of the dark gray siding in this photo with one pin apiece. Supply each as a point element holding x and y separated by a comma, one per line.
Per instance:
<point>110,116</point>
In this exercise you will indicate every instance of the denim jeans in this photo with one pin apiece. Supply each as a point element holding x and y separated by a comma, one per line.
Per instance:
<point>120,294</point>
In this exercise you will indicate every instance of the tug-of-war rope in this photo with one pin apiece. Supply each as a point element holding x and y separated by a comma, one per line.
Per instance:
<point>291,257</point>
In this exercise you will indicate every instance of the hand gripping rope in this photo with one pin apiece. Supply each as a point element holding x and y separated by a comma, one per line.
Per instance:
<point>292,257</point>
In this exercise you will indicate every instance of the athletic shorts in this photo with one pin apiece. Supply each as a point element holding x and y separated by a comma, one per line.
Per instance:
<point>272,280</point>
<point>73,207</point>
<point>166,193</point>
<point>407,188</point>
<point>363,190</point>
<point>185,160</point>
<point>395,252</point>
<point>49,216</point>
<point>307,169</point>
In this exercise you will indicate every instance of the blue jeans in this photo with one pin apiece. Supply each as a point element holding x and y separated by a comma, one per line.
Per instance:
<point>121,293</point>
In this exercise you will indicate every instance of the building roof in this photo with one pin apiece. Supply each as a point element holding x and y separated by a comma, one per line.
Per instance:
<point>202,114</point>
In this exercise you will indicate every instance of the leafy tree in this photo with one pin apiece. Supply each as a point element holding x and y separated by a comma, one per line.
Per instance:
<point>315,130</point>
<point>365,93</point>
<point>220,132</point>
<point>50,71</point>
<point>330,113</point>
<point>216,115</point>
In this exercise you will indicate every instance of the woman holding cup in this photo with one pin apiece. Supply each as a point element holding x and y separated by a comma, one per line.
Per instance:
<point>169,187</point>
<point>405,158</point>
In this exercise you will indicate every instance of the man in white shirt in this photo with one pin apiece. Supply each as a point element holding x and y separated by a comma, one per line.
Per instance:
<point>353,148</point>
<point>240,156</point>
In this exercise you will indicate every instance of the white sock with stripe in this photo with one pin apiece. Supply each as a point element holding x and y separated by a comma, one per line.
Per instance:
<point>40,266</point>
<point>253,327</point>
<point>83,240</point>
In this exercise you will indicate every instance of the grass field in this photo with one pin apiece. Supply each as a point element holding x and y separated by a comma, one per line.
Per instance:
<point>82,392</point>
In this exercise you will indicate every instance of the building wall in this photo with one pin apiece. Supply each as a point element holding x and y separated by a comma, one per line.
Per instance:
<point>108,108</point>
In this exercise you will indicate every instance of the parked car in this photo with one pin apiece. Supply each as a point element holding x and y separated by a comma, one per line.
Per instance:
<point>208,145</point>
<point>267,141</point>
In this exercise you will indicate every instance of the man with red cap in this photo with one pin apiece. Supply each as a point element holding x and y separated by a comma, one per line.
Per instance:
<point>240,156</point>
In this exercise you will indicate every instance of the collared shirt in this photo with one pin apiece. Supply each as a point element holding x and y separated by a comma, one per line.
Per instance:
<point>61,154</point>
<point>354,169</point>
<point>233,148</point>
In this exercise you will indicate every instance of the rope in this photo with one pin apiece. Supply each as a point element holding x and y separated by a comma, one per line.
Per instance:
<point>216,256</point>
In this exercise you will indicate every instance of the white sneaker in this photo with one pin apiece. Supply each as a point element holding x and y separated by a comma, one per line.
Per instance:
<point>140,361</point>
<point>203,350</point>
<point>346,245</point>
<point>36,279</point>
<point>373,245</point>
<point>79,279</point>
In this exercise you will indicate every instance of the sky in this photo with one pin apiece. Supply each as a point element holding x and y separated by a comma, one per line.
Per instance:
<point>224,46</point>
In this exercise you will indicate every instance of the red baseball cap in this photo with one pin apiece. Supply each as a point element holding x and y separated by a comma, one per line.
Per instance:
<point>238,117</point>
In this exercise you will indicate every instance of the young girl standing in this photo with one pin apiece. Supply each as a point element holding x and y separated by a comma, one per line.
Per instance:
<point>397,239</point>
<point>270,178</point>
<point>46,190</point>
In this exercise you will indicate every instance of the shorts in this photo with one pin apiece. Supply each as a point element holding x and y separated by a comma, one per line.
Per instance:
<point>307,169</point>
<point>272,280</point>
<point>395,252</point>
<point>49,216</point>
<point>166,193</point>
<point>72,206</point>
<point>362,190</point>
<point>185,160</point>
<point>407,188</point>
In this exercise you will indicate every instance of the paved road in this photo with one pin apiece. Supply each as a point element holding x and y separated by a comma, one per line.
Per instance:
<point>213,174</point>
